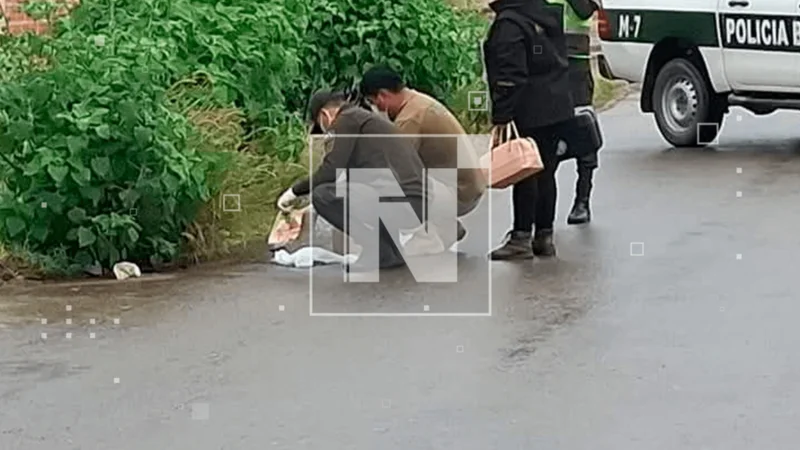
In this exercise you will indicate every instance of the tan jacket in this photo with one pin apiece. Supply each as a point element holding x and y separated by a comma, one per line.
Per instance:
<point>423,115</point>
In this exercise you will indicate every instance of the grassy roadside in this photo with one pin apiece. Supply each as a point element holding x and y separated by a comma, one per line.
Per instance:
<point>234,229</point>
<point>257,180</point>
<point>250,187</point>
<point>607,92</point>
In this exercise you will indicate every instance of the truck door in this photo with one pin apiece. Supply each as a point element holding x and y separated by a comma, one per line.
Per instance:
<point>759,44</point>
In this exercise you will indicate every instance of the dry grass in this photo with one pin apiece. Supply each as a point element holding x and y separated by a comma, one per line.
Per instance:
<point>606,91</point>
<point>470,4</point>
<point>247,187</point>
<point>241,215</point>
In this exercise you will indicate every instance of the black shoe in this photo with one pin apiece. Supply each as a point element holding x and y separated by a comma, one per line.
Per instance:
<point>543,244</point>
<point>517,246</point>
<point>461,233</point>
<point>580,213</point>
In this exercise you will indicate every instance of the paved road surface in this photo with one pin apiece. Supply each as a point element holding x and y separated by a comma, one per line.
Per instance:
<point>685,347</point>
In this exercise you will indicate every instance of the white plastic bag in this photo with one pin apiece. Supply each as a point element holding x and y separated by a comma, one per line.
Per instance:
<point>124,270</point>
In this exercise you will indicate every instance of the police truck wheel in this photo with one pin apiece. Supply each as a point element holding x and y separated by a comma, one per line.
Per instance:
<point>687,111</point>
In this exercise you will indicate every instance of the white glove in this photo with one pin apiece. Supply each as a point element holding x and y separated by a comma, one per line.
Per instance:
<point>286,199</point>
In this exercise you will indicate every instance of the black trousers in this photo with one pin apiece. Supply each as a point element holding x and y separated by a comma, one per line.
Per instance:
<point>534,198</point>
<point>363,220</point>
<point>582,88</point>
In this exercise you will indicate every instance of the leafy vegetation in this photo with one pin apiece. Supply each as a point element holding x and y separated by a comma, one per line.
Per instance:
<point>436,48</point>
<point>123,131</point>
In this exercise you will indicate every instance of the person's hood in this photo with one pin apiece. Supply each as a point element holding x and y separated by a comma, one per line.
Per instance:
<point>538,12</point>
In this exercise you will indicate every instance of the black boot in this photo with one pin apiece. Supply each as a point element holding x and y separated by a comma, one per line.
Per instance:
<point>448,239</point>
<point>543,243</point>
<point>517,246</point>
<point>581,213</point>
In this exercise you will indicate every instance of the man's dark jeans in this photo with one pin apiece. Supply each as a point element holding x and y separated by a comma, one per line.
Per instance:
<point>581,83</point>
<point>363,220</point>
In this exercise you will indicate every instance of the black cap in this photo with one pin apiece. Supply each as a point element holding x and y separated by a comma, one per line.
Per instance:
<point>321,99</point>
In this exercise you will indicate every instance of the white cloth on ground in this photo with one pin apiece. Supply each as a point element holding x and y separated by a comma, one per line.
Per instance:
<point>309,256</point>
<point>415,242</point>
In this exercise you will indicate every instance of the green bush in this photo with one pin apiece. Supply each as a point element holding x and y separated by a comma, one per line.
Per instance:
<point>94,162</point>
<point>248,48</point>
<point>433,45</point>
<point>15,58</point>
<point>105,154</point>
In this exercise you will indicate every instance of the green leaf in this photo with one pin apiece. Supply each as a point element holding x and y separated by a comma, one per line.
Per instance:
<point>171,182</point>
<point>222,94</point>
<point>83,124</point>
<point>77,144</point>
<point>86,237</point>
<point>113,255</point>
<point>20,130</point>
<point>98,114</point>
<point>77,215</point>
<point>58,172</point>
<point>129,197</point>
<point>128,112</point>
<point>81,175</point>
<point>51,202</point>
<point>34,167</point>
<point>103,131</point>
<point>84,258</point>
<point>102,166</point>
<point>101,248</point>
<point>92,193</point>
<point>41,94</point>
<point>142,135</point>
<point>14,226</point>
<point>133,235</point>
<point>40,231</point>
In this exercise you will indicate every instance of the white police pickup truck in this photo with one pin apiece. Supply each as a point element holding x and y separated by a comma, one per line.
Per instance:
<point>695,58</point>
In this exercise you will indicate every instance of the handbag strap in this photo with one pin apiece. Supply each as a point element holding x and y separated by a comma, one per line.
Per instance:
<point>509,133</point>
<point>514,132</point>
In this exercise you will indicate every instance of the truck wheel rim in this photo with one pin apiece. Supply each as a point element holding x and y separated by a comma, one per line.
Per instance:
<point>679,104</point>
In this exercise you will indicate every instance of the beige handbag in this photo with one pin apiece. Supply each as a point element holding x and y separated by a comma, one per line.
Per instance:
<point>512,161</point>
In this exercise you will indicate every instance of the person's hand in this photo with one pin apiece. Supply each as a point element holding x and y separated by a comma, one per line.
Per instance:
<point>285,200</point>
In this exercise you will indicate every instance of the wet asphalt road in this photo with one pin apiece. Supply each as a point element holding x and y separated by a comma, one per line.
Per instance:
<point>689,346</point>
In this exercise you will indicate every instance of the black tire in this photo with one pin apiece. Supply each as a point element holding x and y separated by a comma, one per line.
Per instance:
<point>688,112</point>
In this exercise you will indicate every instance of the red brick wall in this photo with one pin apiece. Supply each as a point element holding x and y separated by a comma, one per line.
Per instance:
<point>18,22</point>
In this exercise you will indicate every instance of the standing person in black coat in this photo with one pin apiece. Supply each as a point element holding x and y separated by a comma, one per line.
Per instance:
<point>577,27</point>
<point>527,70</point>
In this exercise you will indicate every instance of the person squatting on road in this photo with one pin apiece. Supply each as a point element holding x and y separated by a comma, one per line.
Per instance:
<point>577,28</point>
<point>371,149</point>
<point>525,54</point>
<point>421,117</point>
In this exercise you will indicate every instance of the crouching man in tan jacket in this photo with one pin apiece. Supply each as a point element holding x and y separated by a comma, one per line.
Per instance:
<point>423,117</point>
